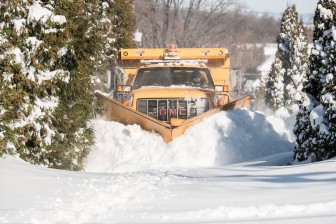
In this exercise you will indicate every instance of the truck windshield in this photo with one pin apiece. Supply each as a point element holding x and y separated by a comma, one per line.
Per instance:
<point>173,76</point>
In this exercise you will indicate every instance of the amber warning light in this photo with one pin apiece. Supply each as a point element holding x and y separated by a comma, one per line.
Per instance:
<point>172,48</point>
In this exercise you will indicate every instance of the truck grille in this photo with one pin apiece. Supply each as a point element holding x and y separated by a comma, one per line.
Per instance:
<point>164,109</point>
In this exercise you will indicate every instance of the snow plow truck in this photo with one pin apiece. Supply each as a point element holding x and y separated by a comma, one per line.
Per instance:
<point>169,90</point>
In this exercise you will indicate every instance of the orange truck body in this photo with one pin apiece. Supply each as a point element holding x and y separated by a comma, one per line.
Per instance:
<point>159,94</point>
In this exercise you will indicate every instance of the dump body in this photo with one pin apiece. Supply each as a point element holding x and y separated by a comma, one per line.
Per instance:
<point>169,90</point>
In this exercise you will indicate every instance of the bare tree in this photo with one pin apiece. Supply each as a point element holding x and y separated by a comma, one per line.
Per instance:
<point>207,23</point>
<point>186,23</point>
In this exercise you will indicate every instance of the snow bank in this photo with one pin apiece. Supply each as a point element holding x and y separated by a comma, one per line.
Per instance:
<point>238,193</point>
<point>225,138</point>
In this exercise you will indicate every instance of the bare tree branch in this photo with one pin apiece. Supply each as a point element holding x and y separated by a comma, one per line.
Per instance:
<point>205,23</point>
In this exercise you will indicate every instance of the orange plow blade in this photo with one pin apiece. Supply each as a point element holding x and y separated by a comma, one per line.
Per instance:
<point>115,111</point>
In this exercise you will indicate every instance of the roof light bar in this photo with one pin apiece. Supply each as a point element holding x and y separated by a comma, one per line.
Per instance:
<point>197,61</point>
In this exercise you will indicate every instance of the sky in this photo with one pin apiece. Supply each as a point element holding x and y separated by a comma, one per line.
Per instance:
<point>278,6</point>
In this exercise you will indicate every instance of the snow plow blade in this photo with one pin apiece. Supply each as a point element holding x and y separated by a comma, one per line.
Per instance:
<point>115,111</point>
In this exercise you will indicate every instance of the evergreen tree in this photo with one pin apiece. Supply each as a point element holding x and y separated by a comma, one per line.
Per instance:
<point>285,80</point>
<point>274,94</point>
<point>124,24</point>
<point>315,127</point>
<point>49,52</point>
<point>76,98</point>
<point>29,78</point>
<point>101,26</point>
<point>296,74</point>
<point>10,72</point>
<point>115,21</point>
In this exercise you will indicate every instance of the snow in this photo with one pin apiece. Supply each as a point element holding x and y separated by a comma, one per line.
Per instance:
<point>317,118</point>
<point>49,75</point>
<point>265,67</point>
<point>334,33</point>
<point>325,13</point>
<point>329,78</point>
<point>228,139</point>
<point>283,123</point>
<point>19,57</point>
<point>19,24</point>
<point>231,168</point>
<point>105,5</point>
<point>61,52</point>
<point>58,19</point>
<point>329,98</point>
<point>38,13</point>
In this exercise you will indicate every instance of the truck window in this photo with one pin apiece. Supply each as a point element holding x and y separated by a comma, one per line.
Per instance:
<point>173,76</point>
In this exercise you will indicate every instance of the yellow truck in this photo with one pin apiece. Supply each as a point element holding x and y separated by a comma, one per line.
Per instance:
<point>169,90</point>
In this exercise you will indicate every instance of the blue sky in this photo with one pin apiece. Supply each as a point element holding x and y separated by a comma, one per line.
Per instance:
<point>278,6</point>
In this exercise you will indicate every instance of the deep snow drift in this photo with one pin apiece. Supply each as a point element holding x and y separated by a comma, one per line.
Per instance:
<point>194,179</point>
<point>225,138</point>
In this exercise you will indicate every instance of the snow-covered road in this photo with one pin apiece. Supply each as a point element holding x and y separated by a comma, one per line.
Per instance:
<point>133,177</point>
<point>240,193</point>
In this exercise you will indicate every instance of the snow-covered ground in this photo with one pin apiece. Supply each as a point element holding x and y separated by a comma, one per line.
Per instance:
<point>231,168</point>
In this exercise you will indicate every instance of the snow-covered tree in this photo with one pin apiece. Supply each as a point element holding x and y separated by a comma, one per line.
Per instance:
<point>49,52</point>
<point>296,74</point>
<point>274,94</point>
<point>315,127</point>
<point>100,25</point>
<point>285,80</point>
<point>29,77</point>
<point>114,22</point>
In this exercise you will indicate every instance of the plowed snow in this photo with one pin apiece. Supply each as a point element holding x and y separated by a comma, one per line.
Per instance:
<point>225,138</point>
